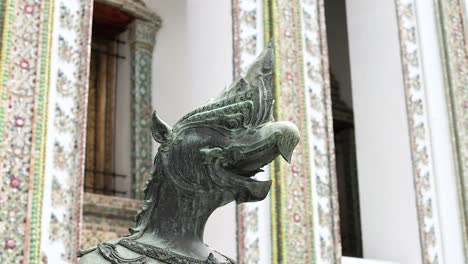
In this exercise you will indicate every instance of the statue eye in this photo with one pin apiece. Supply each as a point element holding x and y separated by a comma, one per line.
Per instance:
<point>232,124</point>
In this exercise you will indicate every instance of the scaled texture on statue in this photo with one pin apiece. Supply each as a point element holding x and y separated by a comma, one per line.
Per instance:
<point>205,161</point>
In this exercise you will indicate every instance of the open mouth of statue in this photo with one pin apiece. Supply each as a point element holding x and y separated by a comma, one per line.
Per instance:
<point>236,165</point>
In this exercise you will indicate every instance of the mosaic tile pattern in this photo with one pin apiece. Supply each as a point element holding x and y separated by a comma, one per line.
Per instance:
<point>66,130</point>
<point>453,33</point>
<point>423,171</point>
<point>106,218</point>
<point>253,235</point>
<point>320,130</point>
<point>24,88</point>
<point>43,93</point>
<point>305,198</point>
<point>29,130</point>
<point>142,38</point>
<point>36,130</point>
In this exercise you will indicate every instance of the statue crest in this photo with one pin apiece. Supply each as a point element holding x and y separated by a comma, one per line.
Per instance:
<point>206,160</point>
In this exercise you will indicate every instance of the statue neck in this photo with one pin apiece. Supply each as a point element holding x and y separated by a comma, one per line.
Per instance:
<point>178,221</point>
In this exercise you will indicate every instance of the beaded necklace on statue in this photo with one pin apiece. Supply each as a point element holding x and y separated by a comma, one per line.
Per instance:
<point>109,252</point>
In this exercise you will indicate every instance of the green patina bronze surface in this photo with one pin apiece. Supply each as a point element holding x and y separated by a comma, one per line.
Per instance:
<point>205,161</point>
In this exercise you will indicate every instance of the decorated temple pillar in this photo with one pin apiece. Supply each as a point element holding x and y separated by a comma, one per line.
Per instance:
<point>141,39</point>
<point>303,204</point>
<point>43,88</point>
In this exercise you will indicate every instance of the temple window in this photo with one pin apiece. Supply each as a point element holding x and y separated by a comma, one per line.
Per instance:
<point>106,48</point>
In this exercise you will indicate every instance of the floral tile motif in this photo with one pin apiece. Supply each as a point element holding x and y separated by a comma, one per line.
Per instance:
<point>23,111</point>
<point>43,92</point>
<point>248,43</point>
<point>304,197</point>
<point>64,169</point>
<point>418,124</point>
<point>305,200</point>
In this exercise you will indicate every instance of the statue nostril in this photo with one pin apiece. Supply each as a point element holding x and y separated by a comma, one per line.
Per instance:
<point>252,131</point>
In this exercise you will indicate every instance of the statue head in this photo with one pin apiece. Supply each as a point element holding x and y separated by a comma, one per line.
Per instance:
<point>216,149</point>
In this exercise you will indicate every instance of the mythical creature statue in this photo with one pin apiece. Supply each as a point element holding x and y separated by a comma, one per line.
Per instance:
<point>205,161</point>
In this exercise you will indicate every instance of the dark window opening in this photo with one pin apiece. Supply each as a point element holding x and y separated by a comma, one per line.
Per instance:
<point>343,125</point>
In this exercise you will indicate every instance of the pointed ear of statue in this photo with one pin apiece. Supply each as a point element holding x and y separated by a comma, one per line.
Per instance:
<point>160,130</point>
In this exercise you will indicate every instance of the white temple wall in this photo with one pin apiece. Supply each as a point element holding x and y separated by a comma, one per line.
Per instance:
<point>387,196</point>
<point>210,70</point>
<point>193,63</point>
<point>171,76</point>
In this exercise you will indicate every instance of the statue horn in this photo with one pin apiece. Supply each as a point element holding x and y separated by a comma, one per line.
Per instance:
<point>159,129</point>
